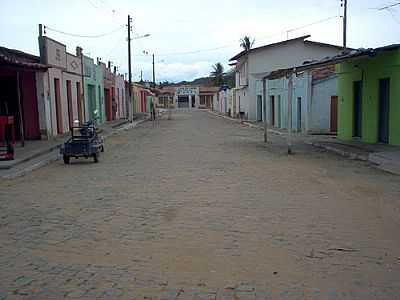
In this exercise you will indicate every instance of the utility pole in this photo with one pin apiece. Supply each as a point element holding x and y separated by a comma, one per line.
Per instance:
<point>344,5</point>
<point>154,74</point>
<point>141,76</point>
<point>289,125</point>
<point>265,110</point>
<point>130,69</point>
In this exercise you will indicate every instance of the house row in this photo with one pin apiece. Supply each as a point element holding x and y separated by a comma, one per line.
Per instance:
<point>45,94</point>
<point>351,93</point>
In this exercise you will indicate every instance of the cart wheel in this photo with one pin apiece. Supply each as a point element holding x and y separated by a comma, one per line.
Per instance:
<point>96,157</point>
<point>66,159</point>
<point>102,149</point>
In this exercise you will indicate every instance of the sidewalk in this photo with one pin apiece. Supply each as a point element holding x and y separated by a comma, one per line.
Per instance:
<point>384,157</point>
<point>36,154</point>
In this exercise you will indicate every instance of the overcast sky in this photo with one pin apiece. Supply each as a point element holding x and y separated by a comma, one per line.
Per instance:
<point>189,36</point>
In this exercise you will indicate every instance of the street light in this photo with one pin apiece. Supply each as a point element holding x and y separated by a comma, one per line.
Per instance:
<point>141,36</point>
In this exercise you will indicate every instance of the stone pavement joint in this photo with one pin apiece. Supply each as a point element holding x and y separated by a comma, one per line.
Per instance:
<point>198,207</point>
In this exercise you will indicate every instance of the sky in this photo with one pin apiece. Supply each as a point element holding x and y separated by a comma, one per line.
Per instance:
<point>189,36</point>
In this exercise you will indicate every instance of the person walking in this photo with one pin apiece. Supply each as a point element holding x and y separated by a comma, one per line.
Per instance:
<point>152,110</point>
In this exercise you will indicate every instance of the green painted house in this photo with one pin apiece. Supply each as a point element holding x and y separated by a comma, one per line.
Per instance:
<point>94,90</point>
<point>369,95</point>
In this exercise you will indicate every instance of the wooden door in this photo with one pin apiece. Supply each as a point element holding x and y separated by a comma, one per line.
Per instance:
<point>259,108</point>
<point>384,106</point>
<point>357,109</point>
<point>57,94</point>
<point>79,101</point>
<point>70,107</point>
<point>272,110</point>
<point>334,114</point>
<point>299,114</point>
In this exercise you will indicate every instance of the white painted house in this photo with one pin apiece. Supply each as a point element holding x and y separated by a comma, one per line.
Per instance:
<point>252,66</point>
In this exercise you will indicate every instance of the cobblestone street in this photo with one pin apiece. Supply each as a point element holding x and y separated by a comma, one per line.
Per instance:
<point>197,207</point>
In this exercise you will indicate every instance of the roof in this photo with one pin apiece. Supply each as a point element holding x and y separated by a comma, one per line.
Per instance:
<point>345,56</point>
<point>208,89</point>
<point>301,38</point>
<point>20,59</point>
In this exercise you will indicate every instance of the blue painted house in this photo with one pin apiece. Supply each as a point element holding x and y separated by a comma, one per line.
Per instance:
<point>314,101</point>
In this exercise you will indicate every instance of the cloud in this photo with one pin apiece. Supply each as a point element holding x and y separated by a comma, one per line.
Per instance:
<point>178,71</point>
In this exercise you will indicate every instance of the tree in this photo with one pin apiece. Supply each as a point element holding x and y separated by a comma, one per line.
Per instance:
<point>217,74</point>
<point>246,43</point>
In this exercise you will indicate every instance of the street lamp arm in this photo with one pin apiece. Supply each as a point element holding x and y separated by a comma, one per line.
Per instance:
<point>141,36</point>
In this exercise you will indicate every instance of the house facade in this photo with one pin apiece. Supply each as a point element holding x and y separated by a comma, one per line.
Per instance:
<point>63,84</point>
<point>110,104</point>
<point>369,96</point>
<point>21,98</point>
<point>142,97</point>
<point>165,97</point>
<point>208,95</point>
<point>223,103</point>
<point>187,96</point>
<point>314,101</point>
<point>254,65</point>
<point>94,90</point>
<point>120,96</point>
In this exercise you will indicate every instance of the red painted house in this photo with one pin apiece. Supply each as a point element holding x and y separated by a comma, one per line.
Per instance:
<point>18,93</point>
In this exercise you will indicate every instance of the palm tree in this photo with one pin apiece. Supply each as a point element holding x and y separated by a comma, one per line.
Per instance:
<point>217,74</point>
<point>246,43</point>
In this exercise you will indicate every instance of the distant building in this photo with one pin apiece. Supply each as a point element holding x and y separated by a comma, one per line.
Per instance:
<point>142,97</point>
<point>201,97</point>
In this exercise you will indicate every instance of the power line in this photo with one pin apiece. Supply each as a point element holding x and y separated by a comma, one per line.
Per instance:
<point>84,36</point>
<point>235,44</point>
<point>314,23</point>
<point>388,6</point>
<point>393,16</point>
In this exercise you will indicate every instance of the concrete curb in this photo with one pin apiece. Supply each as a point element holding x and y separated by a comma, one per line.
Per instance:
<point>248,124</point>
<point>345,153</point>
<point>30,157</point>
<point>28,169</point>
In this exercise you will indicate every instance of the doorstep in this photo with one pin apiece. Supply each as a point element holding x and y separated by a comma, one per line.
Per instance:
<point>384,157</point>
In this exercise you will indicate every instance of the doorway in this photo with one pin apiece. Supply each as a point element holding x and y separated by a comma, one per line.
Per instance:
<point>272,99</point>
<point>91,100</point>
<point>384,106</point>
<point>334,113</point>
<point>299,114</point>
<point>357,109</point>
<point>69,101</point>
<point>259,108</point>
<point>79,101</point>
<point>183,101</point>
<point>278,114</point>
<point>193,101</point>
<point>58,105</point>
<point>108,104</point>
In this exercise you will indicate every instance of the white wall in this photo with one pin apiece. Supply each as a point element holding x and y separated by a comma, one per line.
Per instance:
<point>43,97</point>
<point>279,57</point>
<point>322,92</point>
<point>121,103</point>
<point>74,79</point>
<point>55,53</point>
